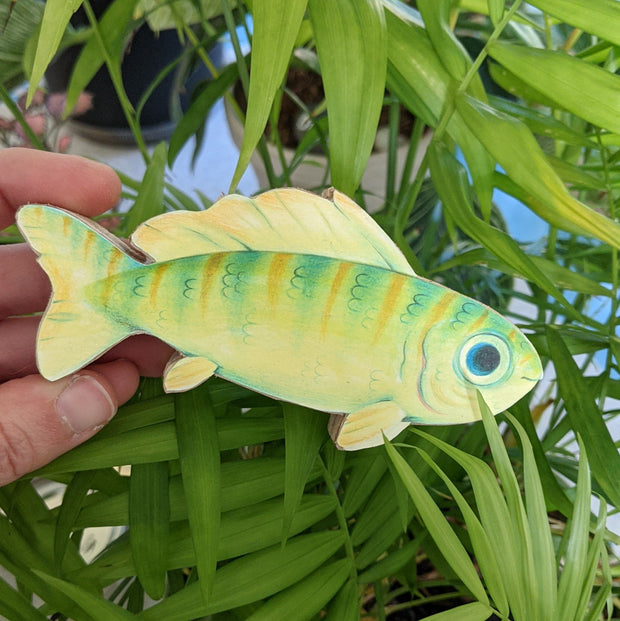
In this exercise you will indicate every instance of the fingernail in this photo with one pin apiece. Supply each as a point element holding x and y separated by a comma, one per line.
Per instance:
<point>84,405</point>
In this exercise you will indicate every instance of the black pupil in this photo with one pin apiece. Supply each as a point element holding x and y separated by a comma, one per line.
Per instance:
<point>486,358</point>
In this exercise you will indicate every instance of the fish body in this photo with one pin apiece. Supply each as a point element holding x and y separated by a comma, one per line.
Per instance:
<point>334,320</point>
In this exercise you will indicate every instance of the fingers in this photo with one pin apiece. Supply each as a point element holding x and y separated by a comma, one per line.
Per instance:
<point>40,420</point>
<point>68,181</point>
<point>17,350</point>
<point>17,346</point>
<point>25,287</point>
<point>149,354</point>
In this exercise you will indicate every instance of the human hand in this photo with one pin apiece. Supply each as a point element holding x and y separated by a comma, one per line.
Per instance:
<point>40,420</point>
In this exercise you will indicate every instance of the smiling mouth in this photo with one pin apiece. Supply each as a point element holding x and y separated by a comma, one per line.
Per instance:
<point>532,379</point>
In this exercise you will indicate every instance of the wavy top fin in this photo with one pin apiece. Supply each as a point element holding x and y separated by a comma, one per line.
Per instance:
<point>284,220</point>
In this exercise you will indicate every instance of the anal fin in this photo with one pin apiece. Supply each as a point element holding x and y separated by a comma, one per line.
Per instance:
<point>366,427</point>
<point>185,372</point>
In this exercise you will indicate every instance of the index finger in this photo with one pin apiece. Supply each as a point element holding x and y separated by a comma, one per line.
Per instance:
<point>69,181</point>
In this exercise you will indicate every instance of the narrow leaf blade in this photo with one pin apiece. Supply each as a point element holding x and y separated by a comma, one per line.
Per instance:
<point>306,599</point>
<point>305,431</point>
<point>585,418</point>
<point>98,608</point>
<point>55,19</point>
<point>149,524</point>
<point>599,17</point>
<point>435,522</point>
<point>199,454</point>
<point>584,89</point>
<point>351,34</point>
<point>276,24</point>
<point>508,140</point>
<point>150,201</point>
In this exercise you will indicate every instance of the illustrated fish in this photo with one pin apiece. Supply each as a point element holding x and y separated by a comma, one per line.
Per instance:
<point>299,297</point>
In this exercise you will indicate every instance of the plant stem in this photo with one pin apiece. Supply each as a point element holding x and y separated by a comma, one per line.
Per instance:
<point>117,81</point>
<point>394,134</point>
<point>615,299</point>
<point>471,72</point>
<point>342,520</point>
<point>414,141</point>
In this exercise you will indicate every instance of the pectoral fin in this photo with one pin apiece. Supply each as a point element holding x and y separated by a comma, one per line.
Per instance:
<point>186,372</point>
<point>366,427</point>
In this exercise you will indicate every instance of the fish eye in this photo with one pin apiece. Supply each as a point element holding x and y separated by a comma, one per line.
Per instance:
<point>484,359</point>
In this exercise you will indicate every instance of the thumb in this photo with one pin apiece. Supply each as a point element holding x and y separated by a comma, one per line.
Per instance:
<point>40,420</point>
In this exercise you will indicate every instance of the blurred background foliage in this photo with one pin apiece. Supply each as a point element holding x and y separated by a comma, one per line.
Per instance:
<point>483,113</point>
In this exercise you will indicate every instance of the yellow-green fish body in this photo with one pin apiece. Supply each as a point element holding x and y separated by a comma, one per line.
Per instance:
<point>292,295</point>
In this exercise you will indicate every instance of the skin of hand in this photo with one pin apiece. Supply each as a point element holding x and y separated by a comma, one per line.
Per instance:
<point>40,420</point>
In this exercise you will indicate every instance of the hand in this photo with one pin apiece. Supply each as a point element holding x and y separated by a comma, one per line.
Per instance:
<point>40,420</point>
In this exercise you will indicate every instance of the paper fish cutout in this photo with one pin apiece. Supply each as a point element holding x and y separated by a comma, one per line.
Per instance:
<point>296,296</point>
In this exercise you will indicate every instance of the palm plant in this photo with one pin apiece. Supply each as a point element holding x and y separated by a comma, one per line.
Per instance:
<point>239,506</point>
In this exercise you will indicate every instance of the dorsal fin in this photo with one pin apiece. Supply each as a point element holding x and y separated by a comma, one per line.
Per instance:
<point>285,220</point>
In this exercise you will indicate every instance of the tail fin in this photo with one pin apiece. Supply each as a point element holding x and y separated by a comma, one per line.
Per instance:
<point>74,253</point>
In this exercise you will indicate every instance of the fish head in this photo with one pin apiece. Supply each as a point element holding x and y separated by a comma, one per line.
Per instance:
<point>474,348</point>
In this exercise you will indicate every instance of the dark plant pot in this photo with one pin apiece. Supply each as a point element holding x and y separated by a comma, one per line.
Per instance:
<point>147,54</point>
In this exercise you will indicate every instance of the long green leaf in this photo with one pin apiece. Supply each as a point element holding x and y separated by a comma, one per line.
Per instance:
<point>149,524</point>
<point>98,608</point>
<point>518,517</point>
<point>20,20</point>
<point>72,501</point>
<point>157,443</point>
<point>351,34</point>
<point>391,564</point>
<point>586,90</point>
<point>242,531</point>
<point>543,554</point>
<point>585,418</point>
<point>541,123</point>
<point>194,118</point>
<point>305,599</point>
<point>276,24</point>
<point>438,527</point>
<point>454,57</point>
<point>516,150</point>
<point>599,17</point>
<point>13,603</point>
<point>251,578</point>
<point>365,475</point>
<point>450,180</point>
<point>596,554</point>
<point>26,576</point>
<point>114,26</point>
<point>305,431</point>
<point>30,534</point>
<point>244,483</point>
<point>381,505</point>
<point>55,19</point>
<point>495,519</point>
<point>346,605</point>
<point>484,552</point>
<point>577,533</point>
<point>556,497</point>
<point>418,78</point>
<point>199,453</point>
<point>475,611</point>
<point>389,531</point>
<point>150,201</point>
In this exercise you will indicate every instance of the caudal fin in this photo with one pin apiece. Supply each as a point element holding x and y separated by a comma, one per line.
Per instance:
<point>74,253</point>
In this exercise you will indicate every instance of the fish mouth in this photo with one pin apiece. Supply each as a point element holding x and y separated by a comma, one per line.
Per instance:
<point>533,379</point>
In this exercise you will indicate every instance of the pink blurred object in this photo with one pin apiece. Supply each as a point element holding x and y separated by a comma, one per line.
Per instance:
<point>45,117</point>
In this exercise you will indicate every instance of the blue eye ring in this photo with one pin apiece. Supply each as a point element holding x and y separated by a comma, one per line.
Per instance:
<point>484,359</point>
